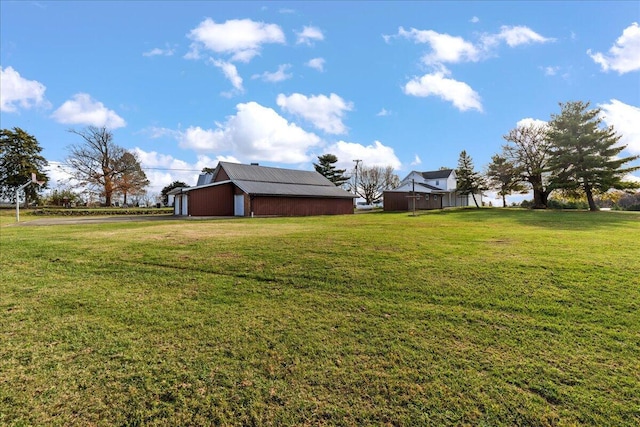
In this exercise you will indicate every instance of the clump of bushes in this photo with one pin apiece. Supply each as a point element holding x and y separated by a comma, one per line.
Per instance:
<point>567,204</point>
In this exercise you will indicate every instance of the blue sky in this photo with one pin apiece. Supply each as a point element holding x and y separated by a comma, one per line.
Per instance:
<point>407,84</point>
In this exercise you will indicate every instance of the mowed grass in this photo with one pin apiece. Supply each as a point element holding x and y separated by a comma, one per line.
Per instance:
<point>471,317</point>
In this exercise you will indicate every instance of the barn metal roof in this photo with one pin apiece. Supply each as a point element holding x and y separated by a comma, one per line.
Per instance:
<point>240,172</point>
<point>205,178</point>
<point>268,181</point>
<point>292,190</point>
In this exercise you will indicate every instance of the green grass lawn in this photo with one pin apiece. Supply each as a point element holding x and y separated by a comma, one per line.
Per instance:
<point>471,317</point>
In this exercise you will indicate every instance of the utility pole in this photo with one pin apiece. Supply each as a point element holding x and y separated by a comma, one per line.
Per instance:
<point>413,194</point>
<point>355,186</point>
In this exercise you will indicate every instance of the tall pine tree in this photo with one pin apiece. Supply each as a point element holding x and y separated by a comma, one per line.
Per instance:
<point>585,154</point>
<point>326,167</point>
<point>469,181</point>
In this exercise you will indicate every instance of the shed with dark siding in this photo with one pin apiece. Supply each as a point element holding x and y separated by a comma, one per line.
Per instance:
<point>252,190</point>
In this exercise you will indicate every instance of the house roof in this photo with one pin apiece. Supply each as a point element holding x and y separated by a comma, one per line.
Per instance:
<point>268,181</point>
<point>443,173</point>
<point>419,188</point>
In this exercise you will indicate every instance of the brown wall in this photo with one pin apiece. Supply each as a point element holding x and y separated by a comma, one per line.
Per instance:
<point>212,201</point>
<point>299,206</point>
<point>402,202</point>
<point>218,201</point>
<point>221,176</point>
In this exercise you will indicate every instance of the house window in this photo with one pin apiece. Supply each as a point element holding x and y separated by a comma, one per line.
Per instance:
<point>435,197</point>
<point>437,182</point>
<point>426,197</point>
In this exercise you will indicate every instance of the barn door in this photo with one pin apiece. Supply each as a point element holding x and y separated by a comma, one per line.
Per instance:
<point>238,205</point>
<point>185,208</point>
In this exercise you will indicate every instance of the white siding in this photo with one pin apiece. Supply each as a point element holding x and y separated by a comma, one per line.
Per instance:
<point>452,182</point>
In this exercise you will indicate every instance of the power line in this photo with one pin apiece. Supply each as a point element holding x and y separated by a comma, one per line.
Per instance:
<point>173,169</point>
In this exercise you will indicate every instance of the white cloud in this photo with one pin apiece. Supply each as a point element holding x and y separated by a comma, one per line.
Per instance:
<point>376,154</point>
<point>242,39</point>
<point>230,159</point>
<point>383,113</point>
<point>460,94</point>
<point>631,178</point>
<point>528,121</point>
<point>416,161</point>
<point>157,132</point>
<point>324,112</point>
<point>454,49</point>
<point>316,63</point>
<point>445,48</point>
<point>230,72</point>
<point>83,110</point>
<point>624,118</point>
<point>255,133</point>
<point>308,35</point>
<point>624,55</point>
<point>276,76</point>
<point>18,92</point>
<point>203,140</point>
<point>163,169</point>
<point>551,71</point>
<point>515,36</point>
<point>167,51</point>
<point>474,20</point>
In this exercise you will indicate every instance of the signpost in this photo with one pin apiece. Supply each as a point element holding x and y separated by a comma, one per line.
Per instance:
<point>413,195</point>
<point>23,186</point>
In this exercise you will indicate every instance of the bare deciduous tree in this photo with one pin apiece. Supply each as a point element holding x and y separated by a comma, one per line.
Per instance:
<point>96,162</point>
<point>373,181</point>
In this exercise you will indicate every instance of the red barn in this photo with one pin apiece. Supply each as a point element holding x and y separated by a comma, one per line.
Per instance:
<point>247,190</point>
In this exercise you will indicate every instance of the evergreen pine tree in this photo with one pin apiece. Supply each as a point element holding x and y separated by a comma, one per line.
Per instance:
<point>469,181</point>
<point>584,154</point>
<point>326,167</point>
<point>19,158</point>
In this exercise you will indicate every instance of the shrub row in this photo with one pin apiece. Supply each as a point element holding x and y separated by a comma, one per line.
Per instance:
<point>88,212</point>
